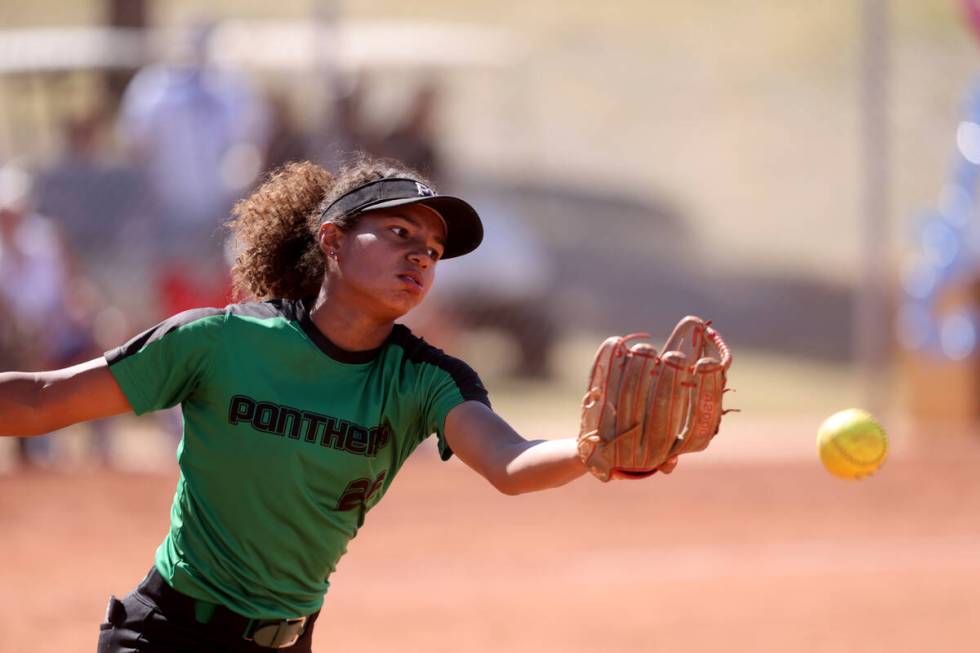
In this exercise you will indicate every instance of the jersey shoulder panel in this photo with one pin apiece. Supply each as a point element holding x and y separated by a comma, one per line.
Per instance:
<point>264,310</point>
<point>191,318</point>
<point>160,331</point>
<point>418,351</point>
<point>167,363</point>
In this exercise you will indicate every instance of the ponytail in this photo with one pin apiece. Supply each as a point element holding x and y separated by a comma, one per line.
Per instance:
<point>275,231</point>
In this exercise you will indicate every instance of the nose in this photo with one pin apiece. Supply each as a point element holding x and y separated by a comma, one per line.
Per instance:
<point>419,255</point>
<point>419,259</point>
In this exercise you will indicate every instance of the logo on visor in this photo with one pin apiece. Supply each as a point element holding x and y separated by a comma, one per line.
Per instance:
<point>424,191</point>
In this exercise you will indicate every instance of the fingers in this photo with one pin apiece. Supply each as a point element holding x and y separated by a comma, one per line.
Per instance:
<point>619,475</point>
<point>668,465</point>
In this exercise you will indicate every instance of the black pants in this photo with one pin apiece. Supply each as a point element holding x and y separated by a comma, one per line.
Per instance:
<point>155,618</point>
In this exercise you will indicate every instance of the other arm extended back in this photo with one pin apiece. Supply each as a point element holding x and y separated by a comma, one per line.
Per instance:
<point>35,403</point>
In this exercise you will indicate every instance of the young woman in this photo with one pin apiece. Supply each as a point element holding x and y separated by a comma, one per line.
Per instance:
<point>299,408</point>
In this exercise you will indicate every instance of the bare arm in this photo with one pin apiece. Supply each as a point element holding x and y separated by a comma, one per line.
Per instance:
<point>34,403</point>
<point>513,465</point>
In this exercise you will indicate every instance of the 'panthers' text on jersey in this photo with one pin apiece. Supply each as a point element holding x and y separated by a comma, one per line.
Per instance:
<point>288,441</point>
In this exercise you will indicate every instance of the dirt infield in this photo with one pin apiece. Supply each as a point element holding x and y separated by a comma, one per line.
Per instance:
<point>734,555</point>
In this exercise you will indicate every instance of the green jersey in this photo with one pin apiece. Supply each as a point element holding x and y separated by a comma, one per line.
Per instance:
<point>287,442</point>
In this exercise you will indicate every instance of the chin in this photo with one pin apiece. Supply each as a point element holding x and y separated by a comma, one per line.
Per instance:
<point>397,309</point>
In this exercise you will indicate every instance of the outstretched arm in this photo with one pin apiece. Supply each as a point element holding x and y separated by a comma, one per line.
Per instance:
<point>34,403</point>
<point>513,465</point>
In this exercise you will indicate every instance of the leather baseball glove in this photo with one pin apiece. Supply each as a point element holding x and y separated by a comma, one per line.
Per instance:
<point>643,408</point>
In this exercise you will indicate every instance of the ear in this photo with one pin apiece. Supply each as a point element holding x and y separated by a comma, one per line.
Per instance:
<point>329,238</point>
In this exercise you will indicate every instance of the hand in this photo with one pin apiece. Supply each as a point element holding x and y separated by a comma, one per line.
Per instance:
<point>668,465</point>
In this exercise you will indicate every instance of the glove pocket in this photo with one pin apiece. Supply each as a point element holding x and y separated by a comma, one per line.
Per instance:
<point>668,406</point>
<point>630,450</point>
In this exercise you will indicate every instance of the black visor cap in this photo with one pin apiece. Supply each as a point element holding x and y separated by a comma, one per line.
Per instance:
<point>464,230</point>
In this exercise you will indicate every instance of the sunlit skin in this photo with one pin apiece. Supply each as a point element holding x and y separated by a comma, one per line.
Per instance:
<point>376,272</point>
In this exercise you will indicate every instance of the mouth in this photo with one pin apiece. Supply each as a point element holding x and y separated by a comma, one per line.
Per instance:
<point>412,280</point>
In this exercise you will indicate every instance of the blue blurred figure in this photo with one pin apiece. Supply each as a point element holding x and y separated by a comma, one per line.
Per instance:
<point>198,132</point>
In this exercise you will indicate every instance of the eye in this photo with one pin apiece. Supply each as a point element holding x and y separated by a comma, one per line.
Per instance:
<point>399,231</point>
<point>434,254</point>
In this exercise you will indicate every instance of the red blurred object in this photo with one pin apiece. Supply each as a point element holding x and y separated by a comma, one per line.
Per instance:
<point>971,11</point>
<point>179,291</point>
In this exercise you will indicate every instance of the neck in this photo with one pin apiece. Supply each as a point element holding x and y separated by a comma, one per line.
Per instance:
<point>347,327</point>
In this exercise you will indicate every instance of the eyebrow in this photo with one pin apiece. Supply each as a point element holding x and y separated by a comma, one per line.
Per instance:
<point>415,222</point>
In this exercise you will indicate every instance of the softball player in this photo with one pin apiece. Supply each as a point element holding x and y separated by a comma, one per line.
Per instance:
<point>298,410</point>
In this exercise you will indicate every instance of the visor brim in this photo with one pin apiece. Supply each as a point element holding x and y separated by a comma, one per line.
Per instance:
<point>464,229</point>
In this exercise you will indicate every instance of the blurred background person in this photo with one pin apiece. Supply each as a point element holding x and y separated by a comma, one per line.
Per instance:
<point>197,133</point>
<point>99,202</point>
<point>45,326</point>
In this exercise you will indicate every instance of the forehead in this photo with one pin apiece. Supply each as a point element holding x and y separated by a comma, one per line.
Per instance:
<point>424,217</point>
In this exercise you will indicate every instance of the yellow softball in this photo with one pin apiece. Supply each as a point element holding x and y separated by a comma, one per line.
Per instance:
<point>852,444</point>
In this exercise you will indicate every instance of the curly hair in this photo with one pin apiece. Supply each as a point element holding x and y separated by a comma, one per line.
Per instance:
<point>275,228</point>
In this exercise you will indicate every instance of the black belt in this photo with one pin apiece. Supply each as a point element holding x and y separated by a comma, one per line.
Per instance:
<point>268,633</point>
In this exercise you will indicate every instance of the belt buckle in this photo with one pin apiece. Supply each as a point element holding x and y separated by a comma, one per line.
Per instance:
<point>277,633</point>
